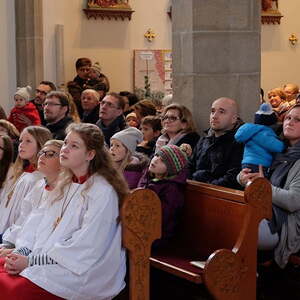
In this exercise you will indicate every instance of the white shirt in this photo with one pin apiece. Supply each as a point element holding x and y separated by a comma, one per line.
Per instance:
<point>10,211</point>
<point>33,199</point>
<point>86,244</point>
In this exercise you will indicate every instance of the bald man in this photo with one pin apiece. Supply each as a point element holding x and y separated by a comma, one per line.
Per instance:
<point>217,156</point>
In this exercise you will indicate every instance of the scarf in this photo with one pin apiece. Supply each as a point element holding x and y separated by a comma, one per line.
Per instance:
<point>279,170</point>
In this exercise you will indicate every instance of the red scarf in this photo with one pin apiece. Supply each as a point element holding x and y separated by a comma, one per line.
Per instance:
<point>81,179</point>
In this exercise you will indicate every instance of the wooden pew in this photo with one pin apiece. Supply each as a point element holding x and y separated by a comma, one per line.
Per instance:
<point>219,227</point>
<point>141,225</point>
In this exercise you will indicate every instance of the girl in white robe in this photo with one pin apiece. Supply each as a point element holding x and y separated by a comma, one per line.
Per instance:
<point>24,175</point>
<point>48,164</point>
<point>75,252</point>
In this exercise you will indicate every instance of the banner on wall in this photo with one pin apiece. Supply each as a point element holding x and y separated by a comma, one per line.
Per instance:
<point>153,68</point>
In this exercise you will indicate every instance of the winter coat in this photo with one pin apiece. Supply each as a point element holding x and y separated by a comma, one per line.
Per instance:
<point>29,111</point>
<point>260,144</point>
<point>58,129</point>
<point>115,126</point>
<point>287,198</point>
<point>92,117</point>
<point>134,170</point>
<point>171,194</point>
<point>217,160</point>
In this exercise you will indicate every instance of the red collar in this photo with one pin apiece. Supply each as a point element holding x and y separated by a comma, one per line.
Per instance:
<point>30,169</point>
<point>81,179</point>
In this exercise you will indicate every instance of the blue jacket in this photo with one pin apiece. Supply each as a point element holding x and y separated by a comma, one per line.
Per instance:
<point>260,144</point>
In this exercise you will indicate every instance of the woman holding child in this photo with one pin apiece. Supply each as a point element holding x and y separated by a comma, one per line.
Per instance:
<point>76,251</point>
<point>282,233</point>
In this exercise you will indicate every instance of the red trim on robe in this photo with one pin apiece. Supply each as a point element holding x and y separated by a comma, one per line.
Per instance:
<point>81,179</point>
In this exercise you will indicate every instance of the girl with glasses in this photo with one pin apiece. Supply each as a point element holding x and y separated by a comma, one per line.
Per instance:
<point>49,166</point>
<point>24,175</point>
<point>75,251</point>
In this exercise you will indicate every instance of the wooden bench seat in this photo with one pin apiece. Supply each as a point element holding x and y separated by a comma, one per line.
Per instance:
<point>219,226</point>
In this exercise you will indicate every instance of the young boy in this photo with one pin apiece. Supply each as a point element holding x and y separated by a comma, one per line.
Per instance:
<point>151,129</point>
<point>24,111</point>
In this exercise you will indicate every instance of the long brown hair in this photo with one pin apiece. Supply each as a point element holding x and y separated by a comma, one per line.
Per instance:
<point>7,157</point>
<point>12,131</point>
<point>101,164</point>
<point>41,135</point>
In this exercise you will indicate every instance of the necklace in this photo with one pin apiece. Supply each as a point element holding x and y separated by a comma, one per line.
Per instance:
<point>64,207</point>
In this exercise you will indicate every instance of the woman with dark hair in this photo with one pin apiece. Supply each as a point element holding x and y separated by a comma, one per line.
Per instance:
<point>6,158</point>
<point>282,233</point>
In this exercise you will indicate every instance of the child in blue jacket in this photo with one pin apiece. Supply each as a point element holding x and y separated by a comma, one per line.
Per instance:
<point>261,142</point>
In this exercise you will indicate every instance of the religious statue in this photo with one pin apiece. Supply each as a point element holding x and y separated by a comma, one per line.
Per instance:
<point>269,5</point>
<point>108,4</point>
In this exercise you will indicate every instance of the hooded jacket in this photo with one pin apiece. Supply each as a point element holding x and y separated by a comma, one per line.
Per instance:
<point>171,194</point>
<point>260,144</point>
<point>29,111</point>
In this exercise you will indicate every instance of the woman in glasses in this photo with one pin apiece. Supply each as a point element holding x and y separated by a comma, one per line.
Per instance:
<point>178,127</point>
<point>49,166</point>
<point>24,175</point>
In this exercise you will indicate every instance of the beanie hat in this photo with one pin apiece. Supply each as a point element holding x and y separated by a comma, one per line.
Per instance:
<point>173,157</point>
<point>96,67</point>
<point>129,137</point>
<point>24,92</point>
<point>265,115</point>
<point>131,115</point>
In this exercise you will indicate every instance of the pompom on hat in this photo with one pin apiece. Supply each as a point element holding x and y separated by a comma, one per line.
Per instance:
<point>129,137</point>
<point>24,92</point>
<point>174,158</point>
<point>265,115</point>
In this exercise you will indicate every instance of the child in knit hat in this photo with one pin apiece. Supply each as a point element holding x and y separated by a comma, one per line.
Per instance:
<point>166,176</point>
<point>24,113</point>
<point>261,142</point>
<point>122,150</point>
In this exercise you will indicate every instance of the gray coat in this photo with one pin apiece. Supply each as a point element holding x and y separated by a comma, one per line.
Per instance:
<point>288,198</point>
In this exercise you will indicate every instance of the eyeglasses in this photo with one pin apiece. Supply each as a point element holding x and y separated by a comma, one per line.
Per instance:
<point>48,153</point>
<point>50,104</point>
<point>170,118</point>
<point>41,92</point>
<point>109,104</point>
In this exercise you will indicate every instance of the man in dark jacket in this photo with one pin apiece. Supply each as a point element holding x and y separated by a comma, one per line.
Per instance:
<point>56,109</point>
<point>111,119</point>
<point>217,156</point>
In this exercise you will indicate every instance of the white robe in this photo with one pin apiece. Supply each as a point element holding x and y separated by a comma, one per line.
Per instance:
<point>86,244</point>
<point>34,198</point>
<point>10,214</point>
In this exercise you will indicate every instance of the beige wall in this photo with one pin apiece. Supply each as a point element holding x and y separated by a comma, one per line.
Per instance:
<point>109,42</point>
<point>280,60</point>
<point>7,54</point>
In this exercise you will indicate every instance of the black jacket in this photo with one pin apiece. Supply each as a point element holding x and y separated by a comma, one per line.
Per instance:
<point>115,126</point>
<point>58,129</point>
<point>217,160</point>
<point>92,117</point>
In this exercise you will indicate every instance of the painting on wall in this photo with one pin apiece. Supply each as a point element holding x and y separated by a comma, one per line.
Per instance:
<point>270,13</point>
<point>110,9</point>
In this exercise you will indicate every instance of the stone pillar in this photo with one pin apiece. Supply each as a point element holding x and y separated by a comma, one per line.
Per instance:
<point>216,52</point>
<point>29,42</point>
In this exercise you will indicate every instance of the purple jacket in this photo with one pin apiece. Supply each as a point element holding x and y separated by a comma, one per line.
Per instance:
<point>171,194</point>
<point>134,171</point>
